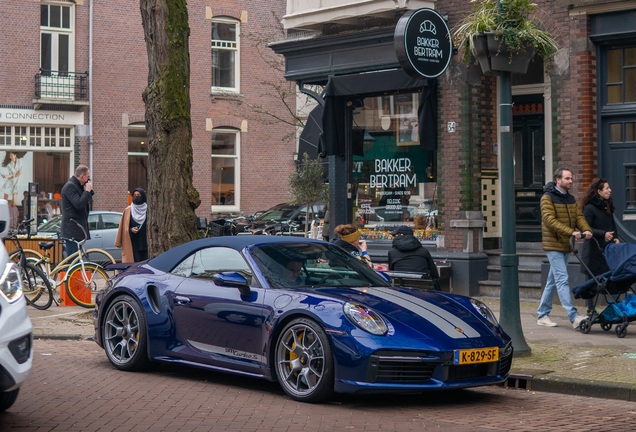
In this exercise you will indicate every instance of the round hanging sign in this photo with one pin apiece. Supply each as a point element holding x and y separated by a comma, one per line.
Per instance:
<point>423,43</point>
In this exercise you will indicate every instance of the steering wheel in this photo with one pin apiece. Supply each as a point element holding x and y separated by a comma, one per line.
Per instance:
<point>328,276</point>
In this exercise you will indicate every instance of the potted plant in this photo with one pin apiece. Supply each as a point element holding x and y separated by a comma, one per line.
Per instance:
<point>503,38</point>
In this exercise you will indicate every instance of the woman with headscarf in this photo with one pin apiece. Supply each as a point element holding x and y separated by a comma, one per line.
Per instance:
<point>131,237</point>
<point>350,241</point>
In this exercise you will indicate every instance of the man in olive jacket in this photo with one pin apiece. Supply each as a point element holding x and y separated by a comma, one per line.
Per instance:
<point>560,220</point>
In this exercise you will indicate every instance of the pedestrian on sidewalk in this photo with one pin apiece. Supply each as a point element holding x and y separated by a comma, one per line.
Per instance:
<point>408,254</point>
<point>598,208</point>
<point>350,241</point>
<point>561,219</point>
<point>131,236</point>
<point>77,195</point>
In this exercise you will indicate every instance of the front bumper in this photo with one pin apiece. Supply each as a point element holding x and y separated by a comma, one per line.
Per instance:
<point>15,325</point>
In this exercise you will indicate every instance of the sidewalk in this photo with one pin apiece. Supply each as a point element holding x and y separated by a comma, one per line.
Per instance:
<point>563,360</point>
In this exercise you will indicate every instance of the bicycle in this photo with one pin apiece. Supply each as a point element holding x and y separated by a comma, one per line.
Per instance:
<point>36,287</point>
<point>82,278</point>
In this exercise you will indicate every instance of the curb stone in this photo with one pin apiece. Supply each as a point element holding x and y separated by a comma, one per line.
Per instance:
<point>589,388</point>
<point>63,337</point>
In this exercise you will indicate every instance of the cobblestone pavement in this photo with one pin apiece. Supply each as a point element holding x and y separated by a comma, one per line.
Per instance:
<point>73,387</point>
<point>563,360</point>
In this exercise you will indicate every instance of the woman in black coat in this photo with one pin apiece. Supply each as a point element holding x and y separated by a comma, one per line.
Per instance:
<point>598,209</point>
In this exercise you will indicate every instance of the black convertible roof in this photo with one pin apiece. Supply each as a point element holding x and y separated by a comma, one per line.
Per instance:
<point>169,259</point>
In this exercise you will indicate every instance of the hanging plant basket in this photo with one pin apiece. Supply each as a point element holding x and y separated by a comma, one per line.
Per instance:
<point>494,56</point>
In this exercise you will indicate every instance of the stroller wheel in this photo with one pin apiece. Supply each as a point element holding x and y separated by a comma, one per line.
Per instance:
<point>621,330</point>
<point>606,326</point>
<point>585,326</point>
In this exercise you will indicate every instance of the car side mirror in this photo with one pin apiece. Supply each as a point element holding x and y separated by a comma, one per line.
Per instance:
<point>232,279</point>
<point>384,276</point>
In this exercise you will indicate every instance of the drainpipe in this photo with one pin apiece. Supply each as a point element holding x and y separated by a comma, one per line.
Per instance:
<point>90,87</point>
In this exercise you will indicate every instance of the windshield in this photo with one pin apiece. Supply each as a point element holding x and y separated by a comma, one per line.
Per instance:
<point>51,226</point>
<point>278,213</point>
<point>296,265</point>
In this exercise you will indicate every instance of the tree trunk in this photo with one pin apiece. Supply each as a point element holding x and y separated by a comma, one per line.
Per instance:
<point>171,196</point>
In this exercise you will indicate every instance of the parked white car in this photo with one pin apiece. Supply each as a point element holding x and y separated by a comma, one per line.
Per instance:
<point>16,341</point>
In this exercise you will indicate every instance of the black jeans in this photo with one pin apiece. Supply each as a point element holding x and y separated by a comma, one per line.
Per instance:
<point>71,247</point>
<point>140,255</point>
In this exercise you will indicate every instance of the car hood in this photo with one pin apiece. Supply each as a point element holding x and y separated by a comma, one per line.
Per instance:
<point>420,313</point>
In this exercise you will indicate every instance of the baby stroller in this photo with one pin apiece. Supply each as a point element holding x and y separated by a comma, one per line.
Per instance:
<point>621,259</point>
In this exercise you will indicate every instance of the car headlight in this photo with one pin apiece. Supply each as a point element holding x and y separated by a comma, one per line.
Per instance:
<point>10,283</point>
<point>484,311</point>
<point>365,318</point>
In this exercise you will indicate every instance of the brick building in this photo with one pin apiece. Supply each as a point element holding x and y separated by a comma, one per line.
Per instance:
<point>580,115</point>
<point>76,66</point>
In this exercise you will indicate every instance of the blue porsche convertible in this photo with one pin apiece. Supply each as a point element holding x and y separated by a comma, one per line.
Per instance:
<point>302,312</point>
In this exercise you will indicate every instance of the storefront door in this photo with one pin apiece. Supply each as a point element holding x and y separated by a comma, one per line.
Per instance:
<point>529,165</point>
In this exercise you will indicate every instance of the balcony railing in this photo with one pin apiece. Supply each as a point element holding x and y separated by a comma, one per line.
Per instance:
<point>71,86</point>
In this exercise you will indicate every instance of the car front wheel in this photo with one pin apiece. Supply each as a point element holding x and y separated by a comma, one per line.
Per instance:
<point>7,399</point>
<point>124,333</point>
<point>304,361</point>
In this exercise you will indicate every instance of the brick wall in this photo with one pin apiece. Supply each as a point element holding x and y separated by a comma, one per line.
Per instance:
<point>120,75</point>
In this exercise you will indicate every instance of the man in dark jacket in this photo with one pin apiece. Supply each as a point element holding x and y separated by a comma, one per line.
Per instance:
<point>77,194</point>
<point>560,220</point>
<point>408,254</point>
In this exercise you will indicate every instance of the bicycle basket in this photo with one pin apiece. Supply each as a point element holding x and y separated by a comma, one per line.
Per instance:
<point>216,230</point>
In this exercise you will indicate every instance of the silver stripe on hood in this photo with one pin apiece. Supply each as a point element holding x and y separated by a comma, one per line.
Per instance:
<point>442,319</point>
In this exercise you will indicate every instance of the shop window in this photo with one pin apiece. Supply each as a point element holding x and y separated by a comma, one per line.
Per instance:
<point>225,55</point>
<point>65,137</point>
<point>35,137</point>
<point>49,137</point>
<point>225,170</point>
<point>137,157</point>
<point>631,188</point>
<point>394,180</point>
<point>5,135</point>
<point>20,137</point>
<point>621,75</point>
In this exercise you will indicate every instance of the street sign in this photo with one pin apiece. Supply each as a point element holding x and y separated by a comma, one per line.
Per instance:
<point>423,43</point>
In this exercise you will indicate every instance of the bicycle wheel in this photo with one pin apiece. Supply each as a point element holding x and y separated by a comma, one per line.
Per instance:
<point>83,284</point>
<point>28,253</point>
<point>36,287</point>
<point>100,257</point>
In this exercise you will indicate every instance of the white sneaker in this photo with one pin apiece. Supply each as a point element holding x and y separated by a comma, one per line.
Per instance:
<point>546,321</point>
<point>577,321</point>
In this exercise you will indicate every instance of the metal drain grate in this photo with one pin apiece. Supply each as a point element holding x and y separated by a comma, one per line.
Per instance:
<point>518,381</point>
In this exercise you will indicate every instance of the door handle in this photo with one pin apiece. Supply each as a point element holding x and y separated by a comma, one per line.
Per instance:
<point>181,300</point>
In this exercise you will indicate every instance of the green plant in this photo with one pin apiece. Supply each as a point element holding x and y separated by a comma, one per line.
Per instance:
<point>515,25</point>
<point>307,186</point>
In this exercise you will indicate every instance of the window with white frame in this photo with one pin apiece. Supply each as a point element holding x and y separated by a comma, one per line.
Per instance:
<point>225,170</point>
<point>137,157</point>
<point>225,55</point>
<point>56,38</point>
<point>35,136</point>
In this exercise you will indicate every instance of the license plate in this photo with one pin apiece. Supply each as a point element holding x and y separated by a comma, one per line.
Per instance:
<point>482,355</point>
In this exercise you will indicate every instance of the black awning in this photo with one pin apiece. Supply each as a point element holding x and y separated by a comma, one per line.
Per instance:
<point>339,88</point>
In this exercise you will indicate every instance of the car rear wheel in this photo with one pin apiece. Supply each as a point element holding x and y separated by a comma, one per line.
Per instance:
<point>124,334</point>
<point>304,361</point>
<point>7,399</point>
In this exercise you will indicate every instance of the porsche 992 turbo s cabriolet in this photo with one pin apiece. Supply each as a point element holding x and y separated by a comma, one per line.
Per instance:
<point>302,312</point>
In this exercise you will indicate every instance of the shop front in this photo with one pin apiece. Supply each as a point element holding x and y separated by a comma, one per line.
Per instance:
<point>378,127</point>
<point>36,147</point>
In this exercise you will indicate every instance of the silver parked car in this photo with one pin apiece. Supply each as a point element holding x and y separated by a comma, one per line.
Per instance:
<point>103,226</point>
